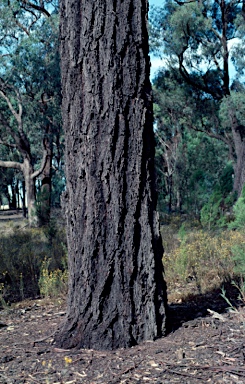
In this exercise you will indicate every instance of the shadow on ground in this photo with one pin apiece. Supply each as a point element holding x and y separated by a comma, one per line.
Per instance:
<point>196,306</point>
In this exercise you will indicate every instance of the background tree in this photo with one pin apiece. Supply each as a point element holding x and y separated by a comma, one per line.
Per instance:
<point>117,295</point>
<point>192,160</point>
<point>196,39</point>
<point>30,97</point>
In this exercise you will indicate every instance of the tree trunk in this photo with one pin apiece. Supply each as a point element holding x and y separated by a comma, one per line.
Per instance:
<point>30,193</point>
<point>117,295</point>
<point>24,199</point>
<point>45,196</point>
<point>238,133</point>
<point>13,200</point>
<point>27,169</point>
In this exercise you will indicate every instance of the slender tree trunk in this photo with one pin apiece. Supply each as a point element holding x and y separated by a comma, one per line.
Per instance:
<point>13,203</point>
<point>117,295</point>
<point>238,135</point>
<point>239,168</point>
<point>17,191</point>
<point>30,193</point>
<point>45,198</point>
<point>24,198</point>
<point>28,172</point>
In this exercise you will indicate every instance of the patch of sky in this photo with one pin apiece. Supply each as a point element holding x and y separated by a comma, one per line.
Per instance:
<point>157,63</point>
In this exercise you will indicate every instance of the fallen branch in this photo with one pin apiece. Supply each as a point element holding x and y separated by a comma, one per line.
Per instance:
<point>216,315</point>
<point>43,339</point>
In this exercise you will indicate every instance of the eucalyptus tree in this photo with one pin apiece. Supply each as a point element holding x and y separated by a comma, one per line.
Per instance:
<point>201,39</point>
<point>117,295</point>
<point>188,159</point>
<point>29,93</point>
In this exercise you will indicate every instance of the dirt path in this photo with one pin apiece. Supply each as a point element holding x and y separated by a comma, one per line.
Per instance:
<point>208,349</point>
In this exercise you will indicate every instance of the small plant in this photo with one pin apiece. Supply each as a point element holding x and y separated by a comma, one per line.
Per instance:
<point>2,300</point>
<point>52,283</point>
<point>211,211</point>
<point>241,289</point>
<point>239,213</point>
<point>231,306</point>
<point>68,360</point>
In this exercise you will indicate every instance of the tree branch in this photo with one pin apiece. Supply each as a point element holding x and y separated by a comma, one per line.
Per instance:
<point>36,7</point>
<point>40,170</point>
<point>11,164</point>
<point>7,144</point>
<point>218,137</point>
<point>17,115</point>
<point>11,132</point>
<point>22,27</point>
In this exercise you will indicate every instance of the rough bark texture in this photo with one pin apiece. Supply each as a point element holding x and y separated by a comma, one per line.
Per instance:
<point>117,295</point>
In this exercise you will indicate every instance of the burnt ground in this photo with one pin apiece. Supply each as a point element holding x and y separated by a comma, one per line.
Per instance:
<point>206,344</point>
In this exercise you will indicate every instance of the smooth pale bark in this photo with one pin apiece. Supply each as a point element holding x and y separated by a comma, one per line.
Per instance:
<point>22,143</point>
<point>29,176</point>
<point>117,294</point>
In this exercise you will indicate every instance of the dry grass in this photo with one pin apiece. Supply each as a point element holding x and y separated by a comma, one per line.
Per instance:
<point>198,261</point>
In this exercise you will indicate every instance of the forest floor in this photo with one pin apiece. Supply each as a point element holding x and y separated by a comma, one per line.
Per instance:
<point>205,344</point>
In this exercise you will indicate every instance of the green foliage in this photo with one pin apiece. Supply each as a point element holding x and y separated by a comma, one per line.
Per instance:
<point>239,212</point>
<point>216,212</point>
<point>203,257</point>
<point>193,92</point>
<point>225,183</point>
<point>42,206</point>
<point>188,33</point>
<point>189,162</point>
<point>22,252</point>
<point>211,212</point>
<point>239,258</point>
<point>233,104</point>
<point>238,250</point>
<point>30,80</point>
<point>52,283</point>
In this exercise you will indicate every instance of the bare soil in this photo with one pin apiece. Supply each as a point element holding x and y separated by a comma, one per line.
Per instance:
<point>203,347</point>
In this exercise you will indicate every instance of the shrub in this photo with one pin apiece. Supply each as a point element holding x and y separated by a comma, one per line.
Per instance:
<point>52,283</point>
<point>206,258</point>
<point>22,252</point>
<point>211,211</point>
<point>239,212</point>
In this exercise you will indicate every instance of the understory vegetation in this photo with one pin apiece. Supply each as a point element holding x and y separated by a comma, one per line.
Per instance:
<point>197,258</point>
<point>197,261</point>
<point>33,261</point>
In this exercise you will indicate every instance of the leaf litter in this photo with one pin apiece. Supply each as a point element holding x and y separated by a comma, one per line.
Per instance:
<point>207,349</point>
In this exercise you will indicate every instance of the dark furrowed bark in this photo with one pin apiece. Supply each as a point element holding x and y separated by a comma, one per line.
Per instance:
<point>117,295</point>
